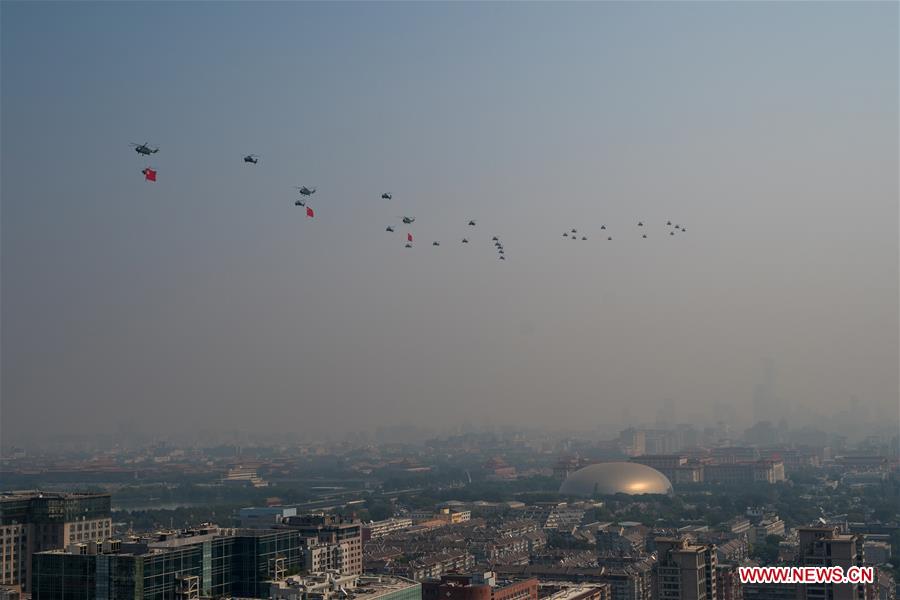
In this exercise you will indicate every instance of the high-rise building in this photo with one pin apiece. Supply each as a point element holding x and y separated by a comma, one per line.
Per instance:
<point>37,521</point>
<point>827,547</point>
<point>340,539</point>
<point>210,562</point>
<point>684,571</point>
<point>765,406</point>
<point>633,441</point>
<point>728,582</point>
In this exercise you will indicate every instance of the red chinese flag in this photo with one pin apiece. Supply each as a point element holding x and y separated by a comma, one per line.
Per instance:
<point>408,237</point>
<point>310,213</point>
<point>149,174</point>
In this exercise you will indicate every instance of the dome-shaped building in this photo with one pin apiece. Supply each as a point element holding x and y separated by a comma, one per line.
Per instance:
<point>605,479</point>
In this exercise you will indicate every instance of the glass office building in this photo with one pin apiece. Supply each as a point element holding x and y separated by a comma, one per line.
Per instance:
<point>238,563</point>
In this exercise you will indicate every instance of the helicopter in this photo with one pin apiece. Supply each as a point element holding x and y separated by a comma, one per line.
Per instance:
<point>386,196</point>
<point>251,158</point>
<point>408,220</point>
<point>299,203</point>
<point>435,243</point>
<point>144,149</point>
<point>472,223</point>
<point>389,229</point>
<point>465,241</point>
<point>305,191</point>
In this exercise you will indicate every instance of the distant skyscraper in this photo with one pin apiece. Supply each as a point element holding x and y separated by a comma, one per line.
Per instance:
<point>665,414</point>
<point>764,403</point>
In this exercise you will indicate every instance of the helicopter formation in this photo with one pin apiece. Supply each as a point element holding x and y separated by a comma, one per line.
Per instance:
<point>306,193</point>
<point>573,233</point>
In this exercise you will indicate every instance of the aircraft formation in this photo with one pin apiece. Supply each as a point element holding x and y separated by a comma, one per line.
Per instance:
<point>306,193</point>
<point>672,229</point>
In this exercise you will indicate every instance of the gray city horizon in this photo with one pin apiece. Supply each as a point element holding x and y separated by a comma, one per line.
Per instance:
<point>207,300</point>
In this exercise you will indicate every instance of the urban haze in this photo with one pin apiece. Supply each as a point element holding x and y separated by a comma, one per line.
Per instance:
<point>207,302</point>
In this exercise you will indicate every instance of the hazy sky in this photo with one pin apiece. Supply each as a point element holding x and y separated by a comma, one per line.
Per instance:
<point>769,130</point>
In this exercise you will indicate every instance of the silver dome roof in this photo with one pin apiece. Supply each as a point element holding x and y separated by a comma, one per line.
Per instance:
<point>603,479</point>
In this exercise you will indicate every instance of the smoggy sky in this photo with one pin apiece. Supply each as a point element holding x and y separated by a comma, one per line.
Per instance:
<point>769,130</point>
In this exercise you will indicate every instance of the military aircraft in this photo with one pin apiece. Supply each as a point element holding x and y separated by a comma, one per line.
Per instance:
<point>435,243</point>
<point>584,238</point>
<point>574,231</point>
<point>609,239</point>
<point>669,223</point>
<point>671,233</point>
<point>386,196</point>
<point>144,149</point>
<point>389,228</point>
<point>465,241</point>
<point>305,191</point>
<point>299,203</point>
<point>408,220</point>
<point>603,227</point>
<point>640,223</point>
<point>408,245</point>
<point>472,223</point>
<point>566,234</point>
<point>495,239</point>
<point>251,158</point>
<point>502,257</point>
<point>644,236</point>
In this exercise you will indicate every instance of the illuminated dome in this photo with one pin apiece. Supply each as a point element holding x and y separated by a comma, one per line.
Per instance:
<point>604,479</point>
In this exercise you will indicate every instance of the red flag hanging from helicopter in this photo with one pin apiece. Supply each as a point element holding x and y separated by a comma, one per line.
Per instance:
<point>310,213</point>
<point>149,174</point>
<point>408,237</point>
